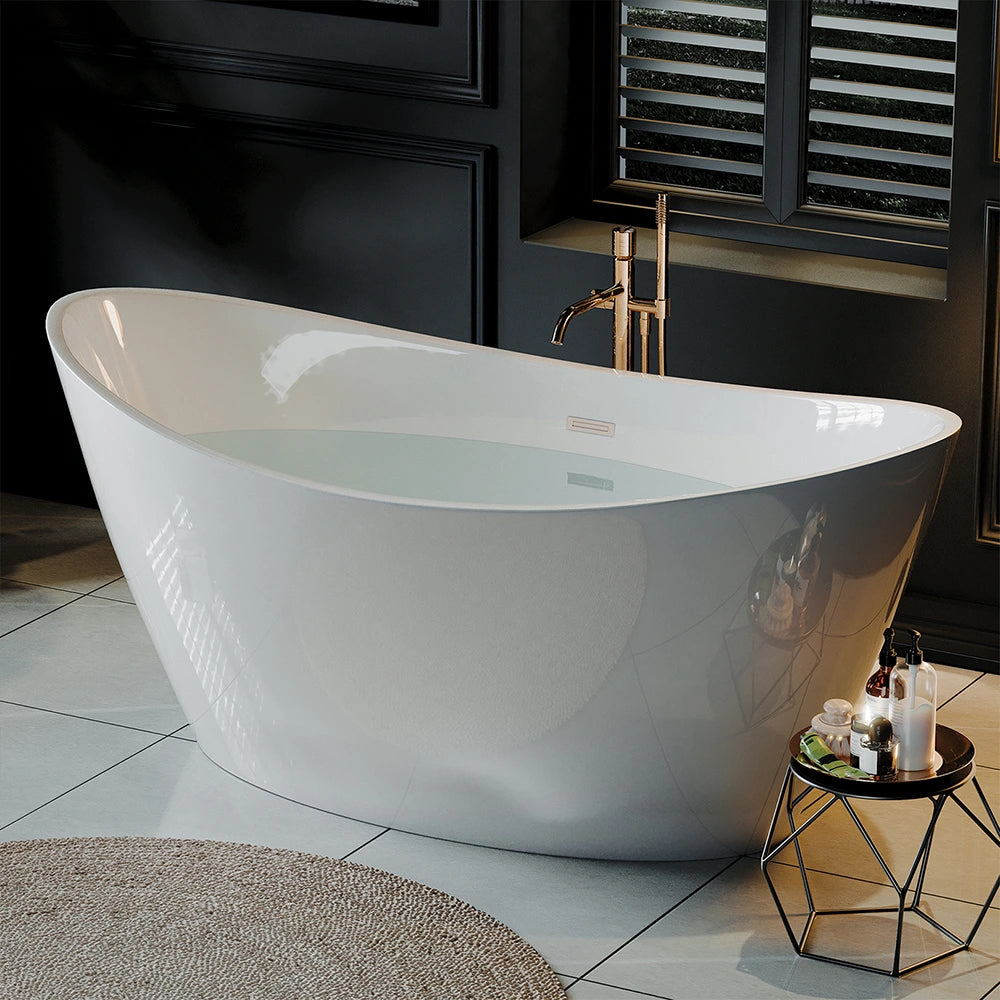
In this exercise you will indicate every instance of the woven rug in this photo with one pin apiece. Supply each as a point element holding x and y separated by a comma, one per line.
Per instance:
<point>109,918</point>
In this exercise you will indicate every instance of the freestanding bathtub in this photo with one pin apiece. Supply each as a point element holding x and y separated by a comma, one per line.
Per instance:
<point>483,596</point>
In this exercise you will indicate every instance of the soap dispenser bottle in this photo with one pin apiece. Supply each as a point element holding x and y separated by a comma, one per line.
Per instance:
<point>914,708</point>
<point>878,688</point>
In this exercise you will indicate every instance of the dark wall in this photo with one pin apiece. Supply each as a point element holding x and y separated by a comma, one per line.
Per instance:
<point>373,168</point>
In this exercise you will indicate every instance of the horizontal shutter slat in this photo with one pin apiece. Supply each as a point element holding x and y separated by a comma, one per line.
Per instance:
<point>896,61</point>
<point>695,100</point>
<point>693,69</point>
<point>929,4</point>
<point>693,131</point>
<point>883,92</point>
<point>877,122</point>
<point>876,184</point>
<point>699,38</point>
<point>698,162</point>
<point>712,9</point>
<point>881,154</point>
<point>896,28</point>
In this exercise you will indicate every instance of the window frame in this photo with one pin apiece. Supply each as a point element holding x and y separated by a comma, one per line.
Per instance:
<point>782,219</point>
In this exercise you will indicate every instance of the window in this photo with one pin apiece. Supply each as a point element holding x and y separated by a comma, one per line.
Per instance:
<point>824,125</point>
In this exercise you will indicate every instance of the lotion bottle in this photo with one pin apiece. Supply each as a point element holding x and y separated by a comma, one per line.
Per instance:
<point>914,708</point>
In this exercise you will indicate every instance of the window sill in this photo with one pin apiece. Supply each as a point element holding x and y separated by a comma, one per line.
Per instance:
<point>807,266</point>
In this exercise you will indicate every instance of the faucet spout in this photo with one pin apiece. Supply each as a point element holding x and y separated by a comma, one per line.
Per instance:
<point>595,300</point>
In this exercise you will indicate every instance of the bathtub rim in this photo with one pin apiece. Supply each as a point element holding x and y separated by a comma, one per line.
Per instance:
<point>951,422</point>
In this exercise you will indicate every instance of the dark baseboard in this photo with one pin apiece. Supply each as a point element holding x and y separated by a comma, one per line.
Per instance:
<point>956,633</point>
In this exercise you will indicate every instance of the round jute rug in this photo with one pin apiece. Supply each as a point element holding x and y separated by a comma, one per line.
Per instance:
<point>109,918</point>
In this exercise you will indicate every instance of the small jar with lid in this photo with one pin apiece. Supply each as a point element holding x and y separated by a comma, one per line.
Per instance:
<point>834,725</point>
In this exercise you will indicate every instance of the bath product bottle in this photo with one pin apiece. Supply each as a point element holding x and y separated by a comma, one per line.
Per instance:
<point>914,708</point>
<point>878,688</point>
<point>879,750</point>
<point>859,729</point>
<point>834,725</point>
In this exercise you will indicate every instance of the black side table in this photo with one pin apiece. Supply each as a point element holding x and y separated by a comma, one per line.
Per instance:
<point>957,768</point>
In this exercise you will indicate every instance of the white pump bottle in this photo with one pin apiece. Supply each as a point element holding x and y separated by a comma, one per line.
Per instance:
<point>914,708</point>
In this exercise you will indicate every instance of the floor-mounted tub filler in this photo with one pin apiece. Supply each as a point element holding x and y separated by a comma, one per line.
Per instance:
<point>483,596</point>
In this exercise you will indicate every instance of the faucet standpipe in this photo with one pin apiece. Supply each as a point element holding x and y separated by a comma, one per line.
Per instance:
<point>618,297</point>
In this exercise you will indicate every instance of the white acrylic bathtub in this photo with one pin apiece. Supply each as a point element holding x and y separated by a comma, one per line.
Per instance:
<point>485,596</point>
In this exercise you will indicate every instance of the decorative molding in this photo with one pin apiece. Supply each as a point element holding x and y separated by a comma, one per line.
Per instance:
<point>988,493</point>
<point>408,11</point>
<point>477,86</point>
<point>996,81</point>
<point>478,160</point>
<point>956,633</point>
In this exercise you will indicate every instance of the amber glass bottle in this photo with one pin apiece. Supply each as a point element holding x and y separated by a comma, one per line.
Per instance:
<point>877,688</point>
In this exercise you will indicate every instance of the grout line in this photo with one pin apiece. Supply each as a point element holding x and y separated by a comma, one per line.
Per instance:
<point>185,739</point>
<point>991,991</point>
<point>88,718</point>
<point>63,590</point>
<point>52,586</point>
<point>370,840</point>
<point>665,913</point>
<point>45,586</point>
<point>84,782</point>
<point>77,597</point>
<point>883,885</point>
<point>111,600</point>
<point>961,691</point>
<point>624,990</point>
<point>104,597</point>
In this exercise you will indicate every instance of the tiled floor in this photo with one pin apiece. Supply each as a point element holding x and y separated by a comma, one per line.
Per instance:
<point>93,742</point>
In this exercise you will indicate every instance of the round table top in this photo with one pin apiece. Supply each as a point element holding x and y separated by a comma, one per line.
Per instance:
<point>958,763</point>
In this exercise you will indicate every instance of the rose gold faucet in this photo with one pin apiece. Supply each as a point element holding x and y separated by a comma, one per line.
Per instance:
<point>619,298</point>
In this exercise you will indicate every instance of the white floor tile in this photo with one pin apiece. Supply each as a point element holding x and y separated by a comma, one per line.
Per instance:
<point>55,545</point>
<point>952,681</point>
<point>975,713</point>
<point>21,603</point>
<point>728,941</point>
<point>92,658</point>
<point>43,754</point>
<point>172,790</point>
<point>574,912</point>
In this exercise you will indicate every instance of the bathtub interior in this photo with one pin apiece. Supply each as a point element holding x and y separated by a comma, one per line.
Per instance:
<point>212,368</point>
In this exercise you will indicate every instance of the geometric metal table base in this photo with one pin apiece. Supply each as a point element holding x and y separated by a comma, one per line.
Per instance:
<point>939,787</point>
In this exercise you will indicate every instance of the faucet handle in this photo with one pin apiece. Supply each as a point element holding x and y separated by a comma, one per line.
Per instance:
<point>623,243</point>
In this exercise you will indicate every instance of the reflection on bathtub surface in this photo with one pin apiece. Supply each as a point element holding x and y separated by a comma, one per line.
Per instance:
<point>388,576</point>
